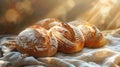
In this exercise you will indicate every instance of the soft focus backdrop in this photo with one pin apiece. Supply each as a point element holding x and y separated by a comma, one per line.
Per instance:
<point>15,15</point>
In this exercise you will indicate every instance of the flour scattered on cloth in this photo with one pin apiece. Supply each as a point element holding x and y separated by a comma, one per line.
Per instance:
<point>107,56</point>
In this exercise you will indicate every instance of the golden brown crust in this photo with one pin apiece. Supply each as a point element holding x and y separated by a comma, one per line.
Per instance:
<point>70,39</point>
<point>48,23</point>
<point>36,42</point>
<point>93,37</point>
<point>49,35</point>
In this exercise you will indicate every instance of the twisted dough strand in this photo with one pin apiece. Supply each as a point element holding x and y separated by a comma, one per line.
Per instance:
<point>69,38</point>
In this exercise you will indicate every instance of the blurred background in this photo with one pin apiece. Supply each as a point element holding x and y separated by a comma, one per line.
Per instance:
<point>16,15</point>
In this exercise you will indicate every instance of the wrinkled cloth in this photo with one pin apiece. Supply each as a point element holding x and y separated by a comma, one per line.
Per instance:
<point>106,56</point>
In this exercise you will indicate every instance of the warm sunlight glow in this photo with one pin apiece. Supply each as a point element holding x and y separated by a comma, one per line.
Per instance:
<point>62,9</point>
<point>104,12</point>
<point>49,59</point>
<point>12,15</point>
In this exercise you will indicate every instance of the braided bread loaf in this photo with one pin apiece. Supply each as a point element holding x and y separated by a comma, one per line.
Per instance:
<point>49,35</point>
